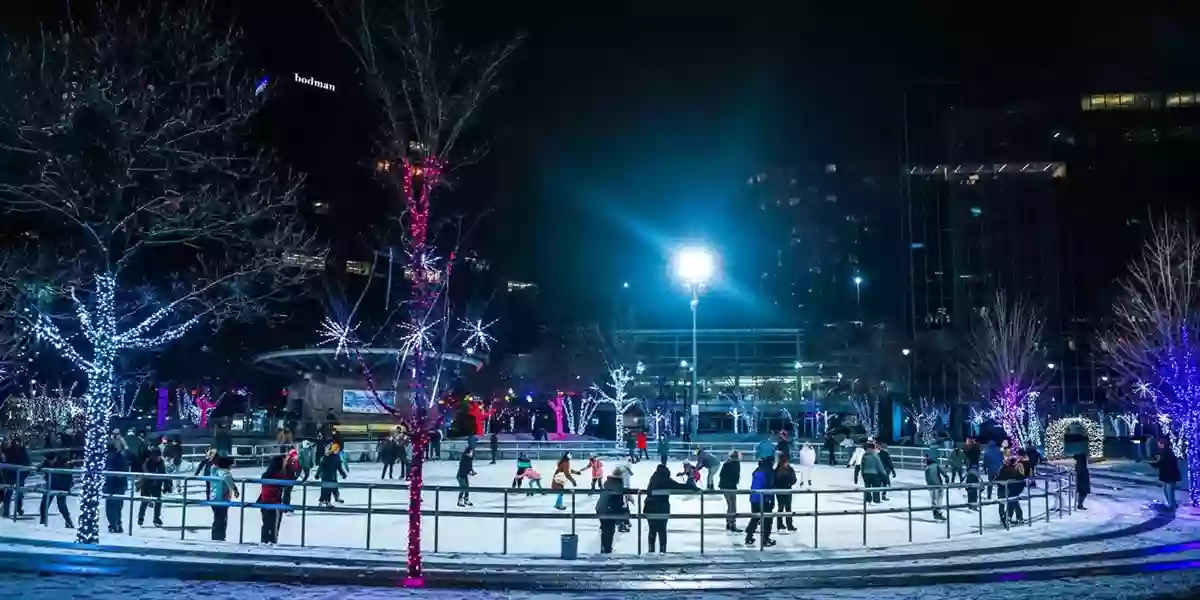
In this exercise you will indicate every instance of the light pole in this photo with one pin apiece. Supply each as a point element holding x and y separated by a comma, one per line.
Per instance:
<point>858,294</point>
<point>694,266</point>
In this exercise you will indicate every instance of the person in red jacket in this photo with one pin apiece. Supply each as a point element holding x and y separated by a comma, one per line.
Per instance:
<point>271,497</point>
<point>641,445</point>
<point>291,470</point>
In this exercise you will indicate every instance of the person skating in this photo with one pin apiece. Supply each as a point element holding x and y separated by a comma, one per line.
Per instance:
<point>222,490</point>
<point>610,509</point>
<point>173,455</point>
<point>974,453</point>
<point>308,458</point>
<point>340,450</point>
<point>935,478</point>
<point>993,460</point>
<point>958,465</point>
<point>808,459</point>
<point>973,492</point>
<point>873,474</point>
<point>59,485</point>
<point>404,452</point>
<point>18,455</point>
<point>690,473</point>
<point>710,463</point>
<point>562,475</point>
<point>631,446</point>
<point>1033,458</point>
<point>1012,483</point>
<point>523,464</point>
<point>466,470</point>
<point>664,449</point>
<point>762,505</point>
<point>271,496</point>
<point>152,488</point>
<point>830,448</point>
<point>641,446</point>
<point>435,445</point>
<point>291,471</point>
<point>494,446</point>
<point>657,507</point>
<point>784,445</point>
<point>785,479</point>
<point>534,478</point>
<point>114,487</point>
<point>1083,480</point>
<point>1167,465</point>
<point>327,472</point>
<point>889,469</point>
<point>387,456</point>
<point>766,448</point>
<point>856,461</point>
<point>731,474</point>
<point>597,468</point>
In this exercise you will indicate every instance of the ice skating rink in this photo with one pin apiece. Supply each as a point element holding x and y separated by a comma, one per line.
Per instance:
<point>533,525</point>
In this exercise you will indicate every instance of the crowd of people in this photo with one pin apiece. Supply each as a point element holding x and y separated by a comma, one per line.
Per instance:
<point>988,471</point>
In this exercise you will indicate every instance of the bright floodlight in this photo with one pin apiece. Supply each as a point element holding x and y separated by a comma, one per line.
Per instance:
<point>857,280</point>
<point>694,265</point>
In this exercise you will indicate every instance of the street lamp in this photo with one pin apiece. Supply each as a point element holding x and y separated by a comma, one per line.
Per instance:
<point>694,266</point>
<point>858,294</point>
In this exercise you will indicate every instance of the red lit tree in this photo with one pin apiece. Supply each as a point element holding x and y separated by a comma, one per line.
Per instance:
<point>427,94</point>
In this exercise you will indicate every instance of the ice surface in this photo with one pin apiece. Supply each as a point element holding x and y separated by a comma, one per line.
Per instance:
<point>533,526</point>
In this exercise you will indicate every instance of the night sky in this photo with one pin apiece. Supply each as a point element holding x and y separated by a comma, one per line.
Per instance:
<point>624,126</point>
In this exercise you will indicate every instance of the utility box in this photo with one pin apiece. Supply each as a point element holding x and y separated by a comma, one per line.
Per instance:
<point>570,546</point>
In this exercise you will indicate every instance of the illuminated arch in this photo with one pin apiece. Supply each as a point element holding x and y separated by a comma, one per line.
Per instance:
<point>1058,428</point>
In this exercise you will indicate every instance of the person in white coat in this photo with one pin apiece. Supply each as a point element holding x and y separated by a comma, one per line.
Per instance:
<point>856,462</point>
<point>808,458</point>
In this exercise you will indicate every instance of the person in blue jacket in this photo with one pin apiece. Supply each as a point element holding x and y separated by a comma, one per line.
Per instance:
<point>766,448</point>
<point>762,504</point>
<point>993,460</point>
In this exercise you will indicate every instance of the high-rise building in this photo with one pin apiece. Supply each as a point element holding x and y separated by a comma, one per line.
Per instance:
<point>818,241</point>
<point>1046,195</point>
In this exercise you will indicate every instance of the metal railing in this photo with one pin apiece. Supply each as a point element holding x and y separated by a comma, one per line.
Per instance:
<point>1054,496</point>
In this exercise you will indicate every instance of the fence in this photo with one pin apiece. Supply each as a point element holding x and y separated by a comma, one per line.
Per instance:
<point>503,526</point>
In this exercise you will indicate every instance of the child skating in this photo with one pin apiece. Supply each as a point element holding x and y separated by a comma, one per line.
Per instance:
<point>597,467</point>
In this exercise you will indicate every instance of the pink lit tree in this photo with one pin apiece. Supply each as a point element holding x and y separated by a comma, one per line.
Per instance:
<point>427,94</point>
<point>1008,362</point>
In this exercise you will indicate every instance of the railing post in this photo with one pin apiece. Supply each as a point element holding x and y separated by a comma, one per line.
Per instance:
<point>762,522</point>
<point>638,497</point>
<point>1029,505</point>
<point>437,511</point>
<point>131,507</point>
<point>1046,496</point>
<point>979,511</point>
<point>864,510</point>
<point>702,492</point>
<point>183,513</point>
<point>816,516</point>
<point>303,511</point>
<point>370,496</point>
<point>946,503</point>
<point>504,549</point>
<point>242,514</point>
<point>45,508</point>
<point>573,510</point>
<point>910,515</point>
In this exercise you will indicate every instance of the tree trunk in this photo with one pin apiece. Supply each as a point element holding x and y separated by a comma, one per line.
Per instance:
<point>95,448</point>
<point>1193,462</point>
<point>416,577</point>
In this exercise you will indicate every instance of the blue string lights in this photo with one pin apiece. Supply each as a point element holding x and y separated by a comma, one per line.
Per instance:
<point>98,325</point>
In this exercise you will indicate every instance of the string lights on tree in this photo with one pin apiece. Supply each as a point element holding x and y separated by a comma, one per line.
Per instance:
<point>618,380</point>
<point>176,182</point>
<point>477,337</point>
<point>1008,361</point>
<point>867,409</point>
<point>925,416</point>
<point>1149,345</point>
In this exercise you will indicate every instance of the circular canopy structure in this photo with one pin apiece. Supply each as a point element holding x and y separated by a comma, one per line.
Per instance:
<point>330,361</point>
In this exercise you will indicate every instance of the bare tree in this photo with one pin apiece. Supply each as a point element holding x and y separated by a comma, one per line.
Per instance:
<point>1149,345</point>
<point>143,209</point>
<point>1007,361</point>
<point>428,94</point>
<point>925,415</point>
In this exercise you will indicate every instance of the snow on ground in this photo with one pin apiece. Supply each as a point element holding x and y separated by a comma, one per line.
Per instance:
<point>534,526</point>
<point>1179,584</point>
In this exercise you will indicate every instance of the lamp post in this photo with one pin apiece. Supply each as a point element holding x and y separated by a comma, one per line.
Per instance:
<point>858,294</point>
<point>694,266</point>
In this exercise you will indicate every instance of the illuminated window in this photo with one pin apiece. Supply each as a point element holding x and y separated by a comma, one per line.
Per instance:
<point>520,285</point>
<point>1181,99</point>
<point>831,168</point>
<point>358,267</point>
<point>304,261</point>
<point>976,211</point>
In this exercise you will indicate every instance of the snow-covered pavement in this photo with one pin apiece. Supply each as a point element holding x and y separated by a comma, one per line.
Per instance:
<point>1179,584</point>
